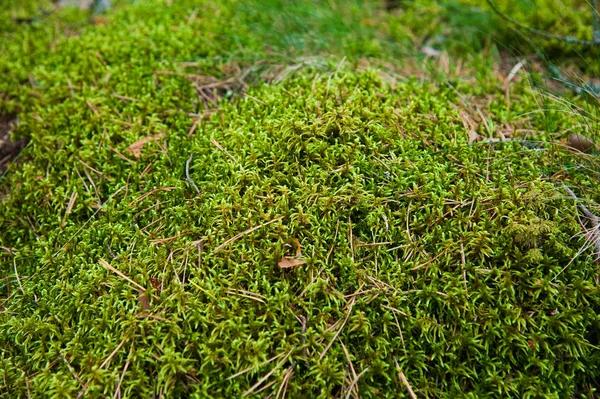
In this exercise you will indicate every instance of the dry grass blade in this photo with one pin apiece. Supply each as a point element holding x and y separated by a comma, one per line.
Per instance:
<point>242,234</point>
<point>355,377</point>
<point>149,193</point>
<point>354,382</point>
<point>247,294</point>
<point>594,220</point>
<point>127,363</point>
<point>285,381</point>
<point>254,367</point>
<point>337,333</point>
<point>513,72</point>
<point>220,147</point>
<point>17,275</point>
<point>259,383</point>
<point>71,202</point>
<point>404,380</point>
<point>113,353</point>
<point>112,269</point>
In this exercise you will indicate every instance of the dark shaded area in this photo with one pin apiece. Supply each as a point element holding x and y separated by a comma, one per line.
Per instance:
<point>9,150</point>
<point>392,4</point>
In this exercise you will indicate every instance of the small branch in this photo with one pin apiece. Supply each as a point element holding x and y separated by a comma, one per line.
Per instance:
<point>567,39</point>
<point>187,173</point>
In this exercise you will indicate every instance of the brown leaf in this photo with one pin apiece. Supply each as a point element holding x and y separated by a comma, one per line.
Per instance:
<point>473,136</point>
<point>144,300</point>
<point>580,142</point>
<point>155,283</point>
<point>136,147</point>
<point>289,261</point>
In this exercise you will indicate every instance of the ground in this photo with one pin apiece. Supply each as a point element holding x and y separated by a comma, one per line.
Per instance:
<point>300,199</point>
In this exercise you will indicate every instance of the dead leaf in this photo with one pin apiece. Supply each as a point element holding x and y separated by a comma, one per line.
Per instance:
<point>298,250</point>
<point>144,300</point>
<point>473,136</point>
<point>155,283</point>
<point>289,261</point>
<point>136,147</point>
<point>580,142</point>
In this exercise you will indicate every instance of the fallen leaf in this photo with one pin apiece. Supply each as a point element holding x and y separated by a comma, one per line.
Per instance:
<point>155,283</point>
<point>473,136</point>
<point>136,147</point>
<point>289,261</point>
<point>580,142</point>
<point>144,300</point>
<point>298,250</point>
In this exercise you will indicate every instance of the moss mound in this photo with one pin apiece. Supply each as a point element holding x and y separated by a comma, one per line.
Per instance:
<point>183,224</point>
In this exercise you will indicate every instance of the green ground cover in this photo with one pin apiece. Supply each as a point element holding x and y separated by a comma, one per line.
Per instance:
<point>310,199</point>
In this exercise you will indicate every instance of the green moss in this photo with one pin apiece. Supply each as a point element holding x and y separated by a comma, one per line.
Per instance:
<point>421,247</point>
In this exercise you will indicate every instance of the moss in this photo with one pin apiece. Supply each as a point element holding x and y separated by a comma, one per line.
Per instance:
<point>422,248</point>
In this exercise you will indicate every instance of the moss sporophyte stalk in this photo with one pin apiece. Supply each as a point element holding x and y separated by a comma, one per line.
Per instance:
<point>239,199</point>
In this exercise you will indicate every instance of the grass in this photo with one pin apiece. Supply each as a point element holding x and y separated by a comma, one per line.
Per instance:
<point>181,154</point>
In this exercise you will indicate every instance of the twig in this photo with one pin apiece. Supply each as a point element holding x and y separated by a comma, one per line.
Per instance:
<point>548,35</point>
<point>237,237</point>
<point>255,99</point>
<point>187,173</point>
<point>404,380</point>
